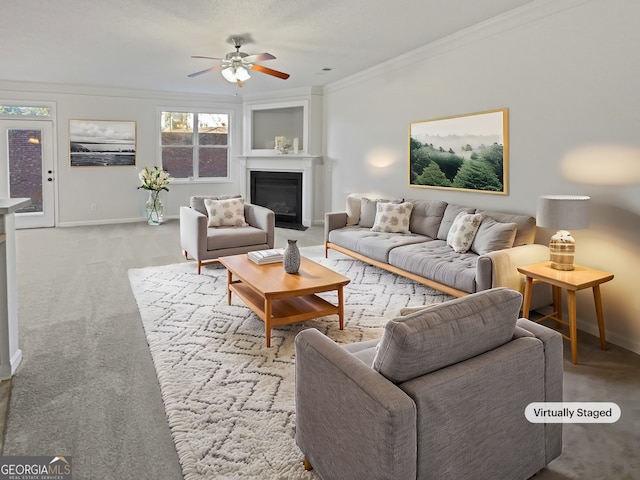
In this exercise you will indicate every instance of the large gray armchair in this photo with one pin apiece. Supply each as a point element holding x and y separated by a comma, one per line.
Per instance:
<point>442,396</point>
<point>206,244</point>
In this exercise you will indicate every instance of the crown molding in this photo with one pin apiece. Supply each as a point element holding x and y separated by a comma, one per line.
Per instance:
<point>518,17</point>
<point>291,93</point>
<point>37,87</point>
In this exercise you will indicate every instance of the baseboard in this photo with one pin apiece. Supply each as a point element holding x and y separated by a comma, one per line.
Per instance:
<point>611,337</point>
<point>110,221</point>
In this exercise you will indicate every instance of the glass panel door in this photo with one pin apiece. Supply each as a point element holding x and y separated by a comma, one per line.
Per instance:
<point>27,168</point>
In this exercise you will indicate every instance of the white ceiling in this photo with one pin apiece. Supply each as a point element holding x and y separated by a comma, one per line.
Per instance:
<point>147,44</point>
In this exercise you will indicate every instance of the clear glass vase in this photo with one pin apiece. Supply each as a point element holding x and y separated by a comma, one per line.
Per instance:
<point>154,208</point>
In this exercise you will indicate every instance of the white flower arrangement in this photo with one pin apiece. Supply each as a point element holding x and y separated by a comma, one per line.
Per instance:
<point>156,179</point>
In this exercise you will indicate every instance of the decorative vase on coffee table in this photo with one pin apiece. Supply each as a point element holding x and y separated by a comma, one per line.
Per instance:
<point>291,257</point>
<point>154,208</point>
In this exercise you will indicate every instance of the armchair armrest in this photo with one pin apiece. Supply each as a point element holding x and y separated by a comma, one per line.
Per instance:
<point>262,218</point>
<point>499,268</point>
<point>333,221</point>
<point>351,422</point>
<point>553,378</point>
<point>193,232</point>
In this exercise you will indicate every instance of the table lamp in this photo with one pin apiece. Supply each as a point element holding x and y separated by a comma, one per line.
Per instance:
<point>562,212</point>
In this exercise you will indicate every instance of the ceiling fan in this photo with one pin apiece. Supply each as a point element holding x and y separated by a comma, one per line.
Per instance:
<point>235,66</point>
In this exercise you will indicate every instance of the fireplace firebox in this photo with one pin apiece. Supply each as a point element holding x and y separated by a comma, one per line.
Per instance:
<point>280,192</point>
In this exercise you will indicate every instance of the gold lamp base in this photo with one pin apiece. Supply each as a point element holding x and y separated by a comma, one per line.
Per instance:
<point>562,249</point>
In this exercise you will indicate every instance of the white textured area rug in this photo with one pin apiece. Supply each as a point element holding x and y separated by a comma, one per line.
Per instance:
<point>229,399</point>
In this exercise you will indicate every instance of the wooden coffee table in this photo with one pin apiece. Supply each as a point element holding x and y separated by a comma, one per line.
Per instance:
<point>281,298</point>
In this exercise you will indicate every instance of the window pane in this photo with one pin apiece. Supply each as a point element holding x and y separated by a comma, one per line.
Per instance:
<point>177,122</point>
<point>25,167</point>
<point>213,120</point>
<point>213,138</point>
<point>178,161</point>
<point>213,162</point>
<point>208,133</point>
<point>25,111</point>
<point>177,138</point>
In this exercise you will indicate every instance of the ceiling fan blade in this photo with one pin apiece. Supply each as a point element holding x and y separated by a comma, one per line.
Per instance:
<point>258,57</point>
<point>208,58</point>
<point>204,71</point>
<point>270,71</point>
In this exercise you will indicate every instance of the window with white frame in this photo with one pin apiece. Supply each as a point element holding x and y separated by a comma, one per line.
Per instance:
<point>195,145</point>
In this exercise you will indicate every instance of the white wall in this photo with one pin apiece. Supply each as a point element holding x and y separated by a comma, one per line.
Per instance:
<point>113,189</point>
<point>568,73</point>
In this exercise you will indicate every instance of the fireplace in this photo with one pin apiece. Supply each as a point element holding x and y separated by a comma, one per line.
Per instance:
<point>280,192</point>
<point>304,165</point>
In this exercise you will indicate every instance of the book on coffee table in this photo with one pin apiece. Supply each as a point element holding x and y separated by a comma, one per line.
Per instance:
<point>262,257</point>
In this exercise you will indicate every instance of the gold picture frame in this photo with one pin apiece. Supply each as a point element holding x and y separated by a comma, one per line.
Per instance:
<point>464,152</point>
<point>102,143</point>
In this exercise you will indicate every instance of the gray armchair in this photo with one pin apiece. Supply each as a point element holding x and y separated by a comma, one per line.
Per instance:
<point>206,244</point>
<point>441,396</point>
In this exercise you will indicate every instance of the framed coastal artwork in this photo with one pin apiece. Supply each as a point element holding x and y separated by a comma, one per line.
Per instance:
<point>465,152</point>
<point>102,143</point>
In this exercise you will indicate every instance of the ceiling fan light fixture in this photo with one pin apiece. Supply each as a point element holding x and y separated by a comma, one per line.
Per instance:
<point>235,66</point>
<point>242,74</point>
<point>235,74</point>
<point>229,74</point>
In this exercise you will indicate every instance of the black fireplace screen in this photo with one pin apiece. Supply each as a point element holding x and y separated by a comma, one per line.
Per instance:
<point>280,192</point>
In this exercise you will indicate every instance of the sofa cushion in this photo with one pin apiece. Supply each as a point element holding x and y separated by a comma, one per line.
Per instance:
<point>392,217</point>
<point>197,202</point>
<point>353,208</point>
<point>450,214</point>
<point>225,213</point>
<point>463,231</point>
<point>368,212</point>
<point>447,333</point>
<point>526,231</point>
<point>375,245</point>
<point>365,351</point>
<point>426,217</point>
<point>232,237</point>
<point>493,236</point>
<point>409,310</point>
<point>437,261</point>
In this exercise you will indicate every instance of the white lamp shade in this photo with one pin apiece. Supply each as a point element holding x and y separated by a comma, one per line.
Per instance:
<point>563,212</point>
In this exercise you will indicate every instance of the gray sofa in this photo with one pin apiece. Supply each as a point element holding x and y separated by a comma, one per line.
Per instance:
<point>205,244</point>
<point>441,396</point>
<point>424,255</point>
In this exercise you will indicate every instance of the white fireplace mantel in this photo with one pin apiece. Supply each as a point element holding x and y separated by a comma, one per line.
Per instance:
<point>282,163</point>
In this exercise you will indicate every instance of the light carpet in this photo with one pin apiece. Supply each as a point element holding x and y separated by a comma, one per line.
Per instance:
<point>229,399</point>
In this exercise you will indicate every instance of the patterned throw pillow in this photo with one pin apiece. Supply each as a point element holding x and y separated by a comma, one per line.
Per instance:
<point>462,231</point>
<point>225,213</point>
<point>392,217</point>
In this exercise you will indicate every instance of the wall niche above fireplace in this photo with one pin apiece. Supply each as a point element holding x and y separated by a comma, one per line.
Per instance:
<point>299,117</point>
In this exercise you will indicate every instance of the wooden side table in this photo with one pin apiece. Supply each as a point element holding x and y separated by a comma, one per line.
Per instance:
<point>571,281</point>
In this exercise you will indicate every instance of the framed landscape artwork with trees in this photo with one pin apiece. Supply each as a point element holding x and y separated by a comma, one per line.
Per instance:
<point>465,152</point>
